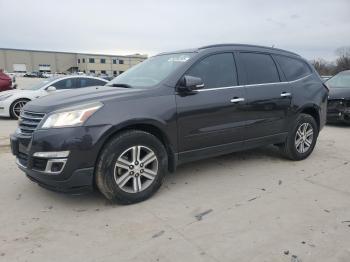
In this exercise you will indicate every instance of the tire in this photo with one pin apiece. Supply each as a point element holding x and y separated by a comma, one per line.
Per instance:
<point>299,145</point>
<point>17,104</point>
<point>136,182</point>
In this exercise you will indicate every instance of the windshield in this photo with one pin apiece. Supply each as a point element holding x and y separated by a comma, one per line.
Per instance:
<point>152,71</point>
<point>39,85</point>
<point>341,80</point>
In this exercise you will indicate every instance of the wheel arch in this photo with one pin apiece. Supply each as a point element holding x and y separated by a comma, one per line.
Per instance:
<point>149,127</point>
<point>16,100</point>
<point>312,110</point>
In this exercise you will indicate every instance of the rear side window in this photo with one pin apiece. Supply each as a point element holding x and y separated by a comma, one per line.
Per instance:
<point>259,68</point>
<point>292,68</point>
<point>84,82</point>
<point>216,70</point>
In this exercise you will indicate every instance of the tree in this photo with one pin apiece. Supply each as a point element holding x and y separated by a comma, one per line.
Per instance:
<point>343,60</point>
<point>323,67</point>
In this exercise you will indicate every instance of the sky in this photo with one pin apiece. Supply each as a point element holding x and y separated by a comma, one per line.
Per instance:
<point>311,28</point>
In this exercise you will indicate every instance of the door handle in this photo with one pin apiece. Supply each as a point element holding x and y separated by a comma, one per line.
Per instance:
<point>237,99</point>
<point>285,94</point>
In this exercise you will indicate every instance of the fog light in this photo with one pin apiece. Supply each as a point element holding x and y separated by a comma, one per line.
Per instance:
<point>56,167</point>
<point>58,154</point>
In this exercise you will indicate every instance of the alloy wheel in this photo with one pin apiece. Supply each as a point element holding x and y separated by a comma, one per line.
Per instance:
<point>17,107</point>
<point>304,138</point>
<point>135,169</point>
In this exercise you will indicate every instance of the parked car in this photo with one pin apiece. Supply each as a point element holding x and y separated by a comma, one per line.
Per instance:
<point>339,98</point>
<point>5,82</point>
<point>12,102</point>
<point>35,74</point>
<point>325,78</point>
<point>171,109</point>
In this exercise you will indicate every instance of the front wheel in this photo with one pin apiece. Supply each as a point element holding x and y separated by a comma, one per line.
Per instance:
<point>16,107</point>
<point>301,138</point>
<point>131,167</point>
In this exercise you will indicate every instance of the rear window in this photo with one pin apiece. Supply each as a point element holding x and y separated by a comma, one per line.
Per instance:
<point>259,68</point>
<point>292,68</point>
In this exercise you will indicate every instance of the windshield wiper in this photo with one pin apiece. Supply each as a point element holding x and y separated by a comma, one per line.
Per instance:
<point>121,85</point>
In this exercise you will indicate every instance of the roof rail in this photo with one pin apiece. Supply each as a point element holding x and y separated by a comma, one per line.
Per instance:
<point>259,46</point>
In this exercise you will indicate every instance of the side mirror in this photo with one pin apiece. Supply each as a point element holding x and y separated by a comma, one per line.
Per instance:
<point>51,89</point>
<point>190,84</point>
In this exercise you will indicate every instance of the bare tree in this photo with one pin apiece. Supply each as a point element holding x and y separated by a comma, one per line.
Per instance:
<point>343,60</point>
<point>323,67</point>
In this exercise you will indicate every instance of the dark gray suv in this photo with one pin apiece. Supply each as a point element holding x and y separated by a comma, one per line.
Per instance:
<point>170,109</point>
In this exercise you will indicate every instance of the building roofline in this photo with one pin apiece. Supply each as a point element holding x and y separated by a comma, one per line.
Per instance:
<point>72,53</point>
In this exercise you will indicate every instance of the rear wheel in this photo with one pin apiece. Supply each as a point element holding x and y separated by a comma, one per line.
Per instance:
<point>16,107</point>
<point>131,167</point>
<point>301,139</point>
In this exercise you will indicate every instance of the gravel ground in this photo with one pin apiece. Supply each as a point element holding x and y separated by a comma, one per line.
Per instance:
<point>247,206</point>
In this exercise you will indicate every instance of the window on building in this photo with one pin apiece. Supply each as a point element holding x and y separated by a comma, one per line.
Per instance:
<point>103,72</point>
<point>114,61</point>
<point>103,61</point>
<point>259,68</point>
<point>292,68</point>
<point>91,60</point>
<point>92,71</point>
<point>216,70</point>
<point>78,61</point>
<point>120,72</point>
<point>83,60</point>
<point>121,62</point>
<point>115,73</point>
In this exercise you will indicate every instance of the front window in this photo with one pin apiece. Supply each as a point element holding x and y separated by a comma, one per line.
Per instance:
<point>152,71</point>
<point>341,80</point>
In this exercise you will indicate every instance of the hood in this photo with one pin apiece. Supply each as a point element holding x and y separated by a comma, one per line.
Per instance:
<point>17,91</point>
<point>3,76</point>
<point>85,95</point>
<point>339,93</point>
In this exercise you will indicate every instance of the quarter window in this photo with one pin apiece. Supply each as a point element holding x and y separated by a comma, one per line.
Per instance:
<point>84,82</point>
<point>216,71</point>
<point>259,68</point>
<point>292,68</point>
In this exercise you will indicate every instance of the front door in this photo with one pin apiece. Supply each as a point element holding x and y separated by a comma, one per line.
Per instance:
<point>212,118</point>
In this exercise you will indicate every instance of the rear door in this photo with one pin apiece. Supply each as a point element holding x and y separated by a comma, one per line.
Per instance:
<point>268,96</point>
<point>212,117</point>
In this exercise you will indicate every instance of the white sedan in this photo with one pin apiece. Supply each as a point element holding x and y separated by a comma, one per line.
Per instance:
<point>12,101</point>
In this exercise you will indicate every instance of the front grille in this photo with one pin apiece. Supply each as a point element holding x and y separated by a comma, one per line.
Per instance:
<point>29,121</point>
<point>39,164</point>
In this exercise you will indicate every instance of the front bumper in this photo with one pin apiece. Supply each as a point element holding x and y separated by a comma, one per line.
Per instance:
<point>4,109</point>
<point>76,174</point>
<point>338,111</point>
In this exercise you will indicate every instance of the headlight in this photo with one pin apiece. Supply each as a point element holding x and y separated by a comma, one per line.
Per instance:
<point>4,97</point>
<point>74,116</point>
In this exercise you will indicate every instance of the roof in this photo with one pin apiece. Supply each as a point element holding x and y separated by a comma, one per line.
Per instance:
<point>234,46</point>
<point>247,45</point>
